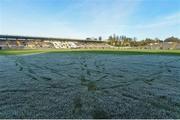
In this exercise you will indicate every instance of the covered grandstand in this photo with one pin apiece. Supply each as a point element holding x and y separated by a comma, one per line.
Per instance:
<point>27,42</point>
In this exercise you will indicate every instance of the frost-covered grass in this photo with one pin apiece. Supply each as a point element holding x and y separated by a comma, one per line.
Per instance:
<point>111,51</point>
<point>88,85</point>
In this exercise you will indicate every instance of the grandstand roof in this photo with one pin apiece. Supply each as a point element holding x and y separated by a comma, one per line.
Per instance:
<point>14,37</point>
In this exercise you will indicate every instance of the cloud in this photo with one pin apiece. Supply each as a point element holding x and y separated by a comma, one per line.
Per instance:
<point>107,17</point>
<point>164,21</point>
<point>78,18</point>
<point>98,17</point>
<point>161,27</point>
<point>84,18</point>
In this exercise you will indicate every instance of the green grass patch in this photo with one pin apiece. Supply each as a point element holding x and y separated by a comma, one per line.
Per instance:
<point>104,51</point>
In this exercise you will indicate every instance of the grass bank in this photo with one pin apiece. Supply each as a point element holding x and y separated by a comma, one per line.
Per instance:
<point>105,51</point>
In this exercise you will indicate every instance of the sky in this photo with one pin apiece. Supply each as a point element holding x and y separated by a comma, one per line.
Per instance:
<point>90,18</point>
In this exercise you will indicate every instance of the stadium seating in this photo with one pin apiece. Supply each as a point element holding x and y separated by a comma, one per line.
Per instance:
<point>36,44</point>
<point>163,45</point>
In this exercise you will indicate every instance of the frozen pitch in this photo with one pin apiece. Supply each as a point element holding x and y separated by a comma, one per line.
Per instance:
<point>89,85</point>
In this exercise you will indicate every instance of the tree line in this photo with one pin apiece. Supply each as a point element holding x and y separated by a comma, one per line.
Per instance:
<point>125,41</point>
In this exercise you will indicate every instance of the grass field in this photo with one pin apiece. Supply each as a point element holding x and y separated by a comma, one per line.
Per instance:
<point>89,84</point>
<point>114,51</point>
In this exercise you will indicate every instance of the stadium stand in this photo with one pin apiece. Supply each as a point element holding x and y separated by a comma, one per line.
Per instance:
<point>21,42</point>
<point>177,47</point>
<point>163,45</point>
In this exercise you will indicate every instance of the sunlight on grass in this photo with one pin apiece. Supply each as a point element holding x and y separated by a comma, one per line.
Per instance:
<point>110,51</point>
